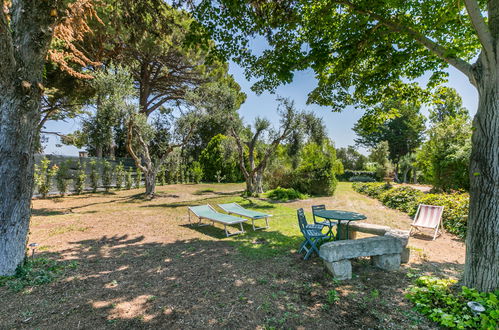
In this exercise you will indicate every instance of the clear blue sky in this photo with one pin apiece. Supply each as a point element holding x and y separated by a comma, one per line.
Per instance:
<point>339,125</point>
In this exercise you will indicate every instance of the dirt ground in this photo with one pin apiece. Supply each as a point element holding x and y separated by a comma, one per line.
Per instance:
<point>141,266</point>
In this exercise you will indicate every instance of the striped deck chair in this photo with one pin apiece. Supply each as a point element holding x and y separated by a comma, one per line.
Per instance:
<point>428,216</point>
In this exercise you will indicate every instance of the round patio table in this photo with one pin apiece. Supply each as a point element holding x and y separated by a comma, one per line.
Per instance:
<point>339,216</point>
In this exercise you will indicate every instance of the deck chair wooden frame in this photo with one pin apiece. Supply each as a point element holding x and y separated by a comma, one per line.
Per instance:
<point>428,216</point>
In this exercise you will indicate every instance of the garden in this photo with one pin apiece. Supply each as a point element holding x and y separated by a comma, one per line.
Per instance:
<point>118,260</point>
<point>133,132</point>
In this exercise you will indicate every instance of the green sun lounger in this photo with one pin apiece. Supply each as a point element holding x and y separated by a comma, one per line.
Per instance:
<point>209,213</point>
<point>234,208</point>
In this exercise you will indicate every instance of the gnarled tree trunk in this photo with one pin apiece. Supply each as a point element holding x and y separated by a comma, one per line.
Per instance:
<point>18,124</point>
<point>150,180</point>
<point>24,40</point>
<point>482,239</point>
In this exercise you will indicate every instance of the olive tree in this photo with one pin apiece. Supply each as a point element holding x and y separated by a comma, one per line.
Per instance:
<point>361,51</point>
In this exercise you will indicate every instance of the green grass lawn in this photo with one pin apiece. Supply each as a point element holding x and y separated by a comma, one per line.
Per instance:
<point>139,264</point>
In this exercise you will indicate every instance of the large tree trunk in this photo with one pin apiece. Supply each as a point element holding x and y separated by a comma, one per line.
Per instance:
<point>150,180</point>
<point>482,240</point>
<point>18,122</point>
<point>259,182</point>
<point>23,46</point>
<point>250,185</point>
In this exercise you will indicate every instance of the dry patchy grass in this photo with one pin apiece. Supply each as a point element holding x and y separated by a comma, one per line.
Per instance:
<point>142,266</point>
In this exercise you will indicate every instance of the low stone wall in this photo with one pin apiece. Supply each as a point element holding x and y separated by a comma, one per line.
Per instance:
<point>388,249</point>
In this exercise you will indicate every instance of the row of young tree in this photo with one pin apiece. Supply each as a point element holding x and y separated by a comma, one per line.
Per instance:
<point>402,143</point>
<point>94,175</point>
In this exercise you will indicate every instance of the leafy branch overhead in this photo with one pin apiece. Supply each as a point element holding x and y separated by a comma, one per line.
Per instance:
<point>359,50</point>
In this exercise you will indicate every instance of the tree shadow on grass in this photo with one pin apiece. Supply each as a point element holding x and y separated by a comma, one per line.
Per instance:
<point>129,282</point>
<point>193,202</point>
<point>46,212</point>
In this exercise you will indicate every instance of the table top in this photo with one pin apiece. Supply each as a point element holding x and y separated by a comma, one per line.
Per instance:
<point>339,215</point>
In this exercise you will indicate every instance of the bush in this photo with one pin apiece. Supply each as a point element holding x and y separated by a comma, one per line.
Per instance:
<point>138,178</point>
<point>197,172</point>
<point>362,178</point>
<point>435,298</point>
<point>129,179</point>
<point>35,271</point>
<point>119,171</point>
<point>94,176</point>
<point>316,173</point>
<point>374,189</point>
<point>401,198</point>
<point>220,160</point>
<point>347,174</point>
<point>80,179</point>
<point>285,194</point>
<point>44,175</point>
<point>61,178</point>
<point>161,177</point>
<point>455,215</point>
<point>107,174</point>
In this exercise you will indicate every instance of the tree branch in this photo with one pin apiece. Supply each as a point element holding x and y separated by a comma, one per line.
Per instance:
<point>32,32</point>
<point>8,63</point>
<point>54,133</point>
<point>241,153</point>
<point>480,26</point>
<point>129,137</point>
<point>431,45</point>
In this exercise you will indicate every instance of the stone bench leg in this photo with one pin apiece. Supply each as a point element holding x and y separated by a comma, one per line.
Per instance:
<point>341,270</point>
<point>387,261</point>
<point>405,255</point>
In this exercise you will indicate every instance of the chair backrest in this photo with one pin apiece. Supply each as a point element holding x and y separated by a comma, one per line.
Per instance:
<point>317,208</point>
<point>201,210</point>
<point>302,220</point>
<point>428,216</point>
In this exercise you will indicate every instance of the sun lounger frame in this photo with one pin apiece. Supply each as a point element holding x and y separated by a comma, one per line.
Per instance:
<point>266,216</point>
<point>213,220</point>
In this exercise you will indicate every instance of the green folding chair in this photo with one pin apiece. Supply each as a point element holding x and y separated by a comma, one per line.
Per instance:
<point>313,237</point>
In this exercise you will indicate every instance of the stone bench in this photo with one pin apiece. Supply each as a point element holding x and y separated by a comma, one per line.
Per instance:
<point>384,251</point>
<point>369,228</point>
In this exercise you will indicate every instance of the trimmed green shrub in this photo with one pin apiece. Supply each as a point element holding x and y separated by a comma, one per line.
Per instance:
<point>220,160</point>
<point>107,174</point>
<point>284,194</point>
<point>161,177</point>
<point>61,178</point>
<point>373,189</point>
<point>94,176</point>
<point>316,173</point>
<point>44,175</point>
<point>401,198</point>
<point>436,299</point>
<point>347,174</point>
<point>80,178</point>
<point>362,178</point>
<point>119,171</point>
<point>455,215</point>
<point>197,172</point>
<point>129,179</point>
<point>138,178</point>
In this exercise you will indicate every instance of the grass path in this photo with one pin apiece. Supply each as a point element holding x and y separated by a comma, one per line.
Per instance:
<point>142,266</point>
